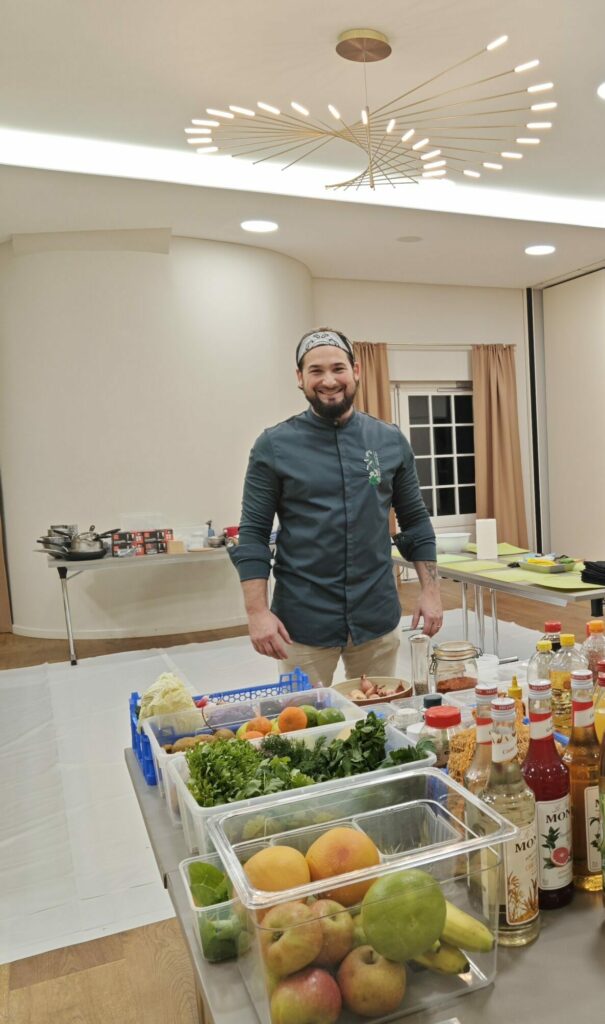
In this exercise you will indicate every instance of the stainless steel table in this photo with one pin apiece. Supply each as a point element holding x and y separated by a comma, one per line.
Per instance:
<point>68,570</point>
<point>536,983</point>
<point>528,591</point>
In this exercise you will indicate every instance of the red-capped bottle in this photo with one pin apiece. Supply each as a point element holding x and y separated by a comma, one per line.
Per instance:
<point>548,778</point>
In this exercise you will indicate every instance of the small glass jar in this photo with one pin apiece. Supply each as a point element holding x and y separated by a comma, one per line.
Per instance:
<point>454,666</point>
<point>432,700</point>
<point>440,726</point>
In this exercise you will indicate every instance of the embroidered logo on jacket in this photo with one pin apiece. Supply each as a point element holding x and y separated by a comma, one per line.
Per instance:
<point>373,468</point>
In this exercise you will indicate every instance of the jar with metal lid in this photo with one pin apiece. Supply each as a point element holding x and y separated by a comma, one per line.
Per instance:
<point>454,666</point>
<point>440,725</point>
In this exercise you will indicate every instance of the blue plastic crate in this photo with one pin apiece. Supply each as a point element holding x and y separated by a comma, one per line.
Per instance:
<point>289,682</point>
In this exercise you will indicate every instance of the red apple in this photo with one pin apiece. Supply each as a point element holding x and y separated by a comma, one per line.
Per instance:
<point>337,928</point>
<point>291,937</point>
<point>370,984</point>
<point>311,997</point>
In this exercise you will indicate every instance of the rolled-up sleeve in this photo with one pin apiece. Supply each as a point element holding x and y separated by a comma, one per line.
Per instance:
<point>416,542</point>
<point>252,556</point>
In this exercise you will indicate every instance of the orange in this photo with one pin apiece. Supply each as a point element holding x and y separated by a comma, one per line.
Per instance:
<point>251,734</point>
<point>292,719</point>
<point>337,852</point>
<point>276,868</point>
<point>259,724</point>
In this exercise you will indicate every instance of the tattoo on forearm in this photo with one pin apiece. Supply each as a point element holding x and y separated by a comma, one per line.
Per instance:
<point>431,571</point>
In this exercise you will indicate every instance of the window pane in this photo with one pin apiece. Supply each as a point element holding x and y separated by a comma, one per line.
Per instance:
<point>464,408</point>
<point>442,408</point>
<point>446,501</point>
<point>466,497</point>
<point>465,441</point>
<point>427,495</point>
<point>444,471</point>
<point>419,408</point>
<point>423,467</point>
<point>466,470</point>
<point>443,440</point>
<point>420,440</point>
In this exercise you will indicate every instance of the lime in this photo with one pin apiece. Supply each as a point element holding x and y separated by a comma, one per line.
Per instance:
<point>403,914</point>
<point>311,714</point>
<point>327,716</point>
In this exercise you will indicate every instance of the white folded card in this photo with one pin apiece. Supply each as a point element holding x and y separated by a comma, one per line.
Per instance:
<point>487,539</point>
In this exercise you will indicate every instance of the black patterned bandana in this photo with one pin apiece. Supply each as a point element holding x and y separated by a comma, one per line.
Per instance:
<point>317,338</point>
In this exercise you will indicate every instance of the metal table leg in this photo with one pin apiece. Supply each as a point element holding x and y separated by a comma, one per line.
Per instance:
<point>479,617</point>
<point>596,607</point>
<point>70,637</point>
<point>464,596</point>
<point>495,638</point>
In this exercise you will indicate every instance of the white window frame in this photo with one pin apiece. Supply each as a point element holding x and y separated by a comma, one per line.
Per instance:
<point>400,392</point>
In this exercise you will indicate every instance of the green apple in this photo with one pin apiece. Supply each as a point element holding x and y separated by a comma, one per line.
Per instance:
<point>310,997</point>
<point>370,984</point>
<point>311,714</point>
<point>291,937</point>
<point>403,914</point>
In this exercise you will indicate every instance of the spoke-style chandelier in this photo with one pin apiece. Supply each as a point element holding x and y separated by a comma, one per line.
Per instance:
<point>429,131</point>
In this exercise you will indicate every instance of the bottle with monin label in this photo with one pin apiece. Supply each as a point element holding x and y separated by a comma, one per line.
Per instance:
<point>548,778</point>
<point>508,793</point>
<point>582,758</point>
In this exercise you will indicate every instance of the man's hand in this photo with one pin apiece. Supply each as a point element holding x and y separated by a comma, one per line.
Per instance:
<point>428,605</point>
<point>268,634</point>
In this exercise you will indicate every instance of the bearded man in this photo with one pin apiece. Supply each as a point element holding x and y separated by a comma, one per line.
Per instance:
<point>331,475</point>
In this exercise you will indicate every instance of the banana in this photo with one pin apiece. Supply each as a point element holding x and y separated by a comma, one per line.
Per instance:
<point>447,960</point>
<point>461,929</point>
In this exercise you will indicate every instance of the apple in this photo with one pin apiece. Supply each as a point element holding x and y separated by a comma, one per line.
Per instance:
<point>310,997</point>
<point>291,937</point>
<point>359,936</point>
<point>370,984</point>
<point>337,929</point>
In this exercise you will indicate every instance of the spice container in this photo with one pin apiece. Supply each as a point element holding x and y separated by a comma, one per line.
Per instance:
<point>405,713</point>
<point>440,725</point>
<point>454,666</point>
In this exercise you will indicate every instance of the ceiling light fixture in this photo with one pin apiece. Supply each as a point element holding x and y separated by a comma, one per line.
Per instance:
<point>524,141</point>
<point>198,131</point>
<point>434,164</point>
<point>512,156</point>
<point>492,167</point>
<point>196,141</point>
<point>433,174</point>
<point>207,150</point>
<point>544,106</point>
<point>260,227</point>
<point>601,91</point>
<point>538,125</point>
<point>472,174</point>
<point>209,124</point>
<point>540,250</point>
<point>463,115</point>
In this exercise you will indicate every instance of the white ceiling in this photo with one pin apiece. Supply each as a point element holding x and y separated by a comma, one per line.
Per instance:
<point>137,72</point>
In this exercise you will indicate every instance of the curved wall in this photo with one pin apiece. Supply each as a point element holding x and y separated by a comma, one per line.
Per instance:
<point>136,382</point>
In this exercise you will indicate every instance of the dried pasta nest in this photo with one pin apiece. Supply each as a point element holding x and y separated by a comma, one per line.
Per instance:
<point>462,746</point>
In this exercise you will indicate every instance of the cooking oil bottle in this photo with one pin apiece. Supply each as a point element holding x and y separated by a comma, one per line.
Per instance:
<point>563,664</point>
<point>599,702</point>
<point>582,758</point>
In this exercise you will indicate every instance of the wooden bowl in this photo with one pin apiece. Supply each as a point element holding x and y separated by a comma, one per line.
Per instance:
<point>349,685</point>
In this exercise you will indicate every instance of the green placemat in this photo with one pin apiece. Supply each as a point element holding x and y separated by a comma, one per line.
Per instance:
<point>562,581</point>
<point>472,565</point>
<point>504,549</point>
<point>509,576</point>
<point>445,559</point>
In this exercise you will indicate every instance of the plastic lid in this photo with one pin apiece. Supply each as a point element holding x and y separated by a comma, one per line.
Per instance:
<point>486,690</point>
<point>596,626</point>
<point>503,708</point>
<point>552,627</point>
<point>432,700</point>
<point>601,672</point>
<point>544,645</point>
<point>455,650</point>
<point>568,640</point>
<point>539,688</point>
<point>581,677</point>
<point>443,717</point>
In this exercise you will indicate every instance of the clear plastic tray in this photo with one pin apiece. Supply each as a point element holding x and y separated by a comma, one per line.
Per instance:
<point>218,929</point>
<point>195,818</point>
<point>420,821</point>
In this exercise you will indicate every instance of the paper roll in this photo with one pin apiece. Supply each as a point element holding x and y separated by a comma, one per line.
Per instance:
<point>487,539</point>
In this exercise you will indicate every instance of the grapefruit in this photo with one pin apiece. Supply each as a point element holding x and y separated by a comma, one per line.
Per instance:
<point>276,868</point>
<point>560,856</point>
<point>338,851</point>
<point>403,914</point>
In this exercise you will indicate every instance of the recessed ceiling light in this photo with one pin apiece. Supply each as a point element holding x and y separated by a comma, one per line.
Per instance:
<point>268,108</point>
<point>434,174</point>
<point>407,135</point>
<point>492,167</point>
<point>429,156</point>
<point>334,112</point>
<point>207,150</point>
<point>539,250</point>
<point>220,113</point>
<point>391,125</point>
<point>261,227</point>
<point>512,156</point>
<point>472,174</point>
<point>435,163</point>
<point>410,238</point>
<point>196,142</point>
<point>527,142</point>
<point>419,145</point>
<point>601,91</point>
<point>537,125</point>
<point>242,110</point>
<point>209,124</point>
<point>298,107</point>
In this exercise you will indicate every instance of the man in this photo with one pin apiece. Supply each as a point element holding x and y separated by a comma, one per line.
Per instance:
<point>331,475</point>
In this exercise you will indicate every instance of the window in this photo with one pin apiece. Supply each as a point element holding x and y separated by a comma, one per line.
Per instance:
<point>438,421</point>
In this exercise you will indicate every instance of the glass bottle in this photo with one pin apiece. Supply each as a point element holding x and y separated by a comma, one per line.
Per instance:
<point>440,725</point>
<point>454,664</point>
<point>420,651</point>
<point>593,647</point>
<point>508,793</point>
<point>602,807</point>
<point>552,632</point>
<point>548,778</point>
<point>563,664</point>
<point>475,776</point>
<point>538,666</point>
<point>599,702</point>
<point>582,757</point>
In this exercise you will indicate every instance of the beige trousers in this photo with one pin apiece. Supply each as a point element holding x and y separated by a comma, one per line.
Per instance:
<point>375,657</point>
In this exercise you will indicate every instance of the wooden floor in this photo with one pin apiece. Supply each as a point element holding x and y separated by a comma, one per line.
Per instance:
<point>144,976</point>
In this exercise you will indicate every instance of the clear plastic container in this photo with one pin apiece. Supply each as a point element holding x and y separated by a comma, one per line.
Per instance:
<point>195,819</point>
<point>454,666</point>
<point>423,853</point>
<point>221,929</point>
<point>440,726</point>
<point>593,647</point>
<point>538,666</point>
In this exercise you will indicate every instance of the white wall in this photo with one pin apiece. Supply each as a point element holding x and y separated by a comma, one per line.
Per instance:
<point>424,315</point>
<point>574,356</point>
<point>134,382</point>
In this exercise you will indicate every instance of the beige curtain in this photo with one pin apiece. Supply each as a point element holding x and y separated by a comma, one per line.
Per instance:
<point>498,480</point>
<point>374,391</point>
<point>6,622</point>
